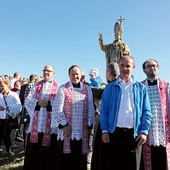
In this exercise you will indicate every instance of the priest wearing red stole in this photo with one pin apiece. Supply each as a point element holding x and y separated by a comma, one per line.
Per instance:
<point>73,114</point>
<point>39,152</point>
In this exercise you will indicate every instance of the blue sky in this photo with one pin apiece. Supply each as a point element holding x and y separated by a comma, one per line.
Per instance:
<point>34,33</point>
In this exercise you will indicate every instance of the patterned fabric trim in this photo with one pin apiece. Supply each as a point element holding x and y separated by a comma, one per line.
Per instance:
<point>163,89</point>
<point>68,111</point>
<point>47,133</point>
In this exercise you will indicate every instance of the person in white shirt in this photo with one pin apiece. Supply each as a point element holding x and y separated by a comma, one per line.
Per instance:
<point>125,117</point>
<point>16,76</point>
<point>10,105</point>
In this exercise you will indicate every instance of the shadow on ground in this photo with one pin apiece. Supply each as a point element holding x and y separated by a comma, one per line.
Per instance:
<point>12,163</point>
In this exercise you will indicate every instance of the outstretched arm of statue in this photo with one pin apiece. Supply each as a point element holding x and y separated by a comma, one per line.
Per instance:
<point>100,36</point>
<point>101,41</point>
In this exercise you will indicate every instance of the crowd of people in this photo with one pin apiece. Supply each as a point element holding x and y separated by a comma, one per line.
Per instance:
<point>132,123</point>
<point>125,123</point>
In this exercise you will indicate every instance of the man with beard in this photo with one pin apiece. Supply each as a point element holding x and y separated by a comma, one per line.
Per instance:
<point>156,153</point>
<point>125,117</point>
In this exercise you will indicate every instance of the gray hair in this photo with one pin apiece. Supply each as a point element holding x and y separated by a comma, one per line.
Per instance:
<point>114,68</point>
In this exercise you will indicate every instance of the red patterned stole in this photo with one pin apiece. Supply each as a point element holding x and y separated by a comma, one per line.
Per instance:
<point>34,131</point>
<point>163,89</point>
<point>68,103</point>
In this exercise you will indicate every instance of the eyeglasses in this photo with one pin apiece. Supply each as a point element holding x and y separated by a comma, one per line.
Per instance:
<point>150,66</point>
<point>49,71</point>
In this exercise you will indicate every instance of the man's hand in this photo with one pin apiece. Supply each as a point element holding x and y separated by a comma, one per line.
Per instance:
<point>67,131</point>
<point>43,103</point>
<point>2,108</point>
<point>141,139</point>
<point>105,137</point>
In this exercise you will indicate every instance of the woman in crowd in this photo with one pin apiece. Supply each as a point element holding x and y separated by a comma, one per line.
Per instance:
<point>10,106</point>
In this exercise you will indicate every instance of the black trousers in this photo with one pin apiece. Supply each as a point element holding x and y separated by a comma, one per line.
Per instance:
<point>124,150</point>
<point>100,156</point>
<point>75,160</point>
<point>158,158</point>
<point>38,157</point>
<point>5,132</point>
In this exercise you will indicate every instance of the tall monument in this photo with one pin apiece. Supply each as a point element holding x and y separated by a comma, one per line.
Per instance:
<point>115,50</point>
